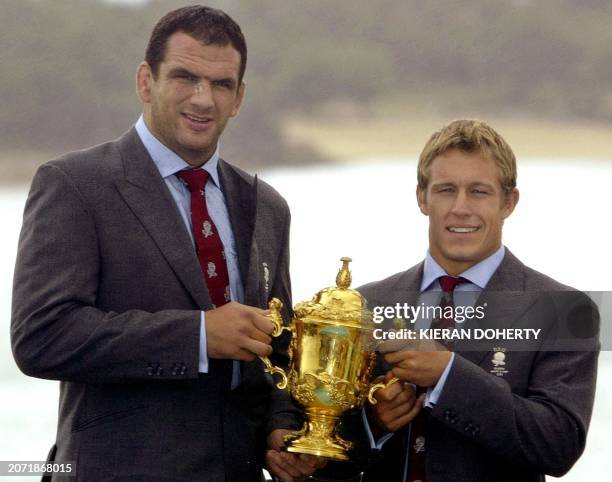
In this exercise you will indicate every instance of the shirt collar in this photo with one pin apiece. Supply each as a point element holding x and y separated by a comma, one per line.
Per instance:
<point>479,274</point>
<point>167,161</point>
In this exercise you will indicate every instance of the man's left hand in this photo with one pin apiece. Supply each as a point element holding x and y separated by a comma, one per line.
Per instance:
<point>423,368</point>
<point>287,466</point>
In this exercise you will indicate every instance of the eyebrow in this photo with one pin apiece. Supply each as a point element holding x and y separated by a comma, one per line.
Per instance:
<point>443,184</point>
<point>230,81</point>
<point>482,184</point>
<point>181,70</point>
<point>471,184</point>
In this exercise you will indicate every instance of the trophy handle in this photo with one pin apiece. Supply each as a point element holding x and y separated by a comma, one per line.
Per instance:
<point>275,305</point>
<point>378,386</point>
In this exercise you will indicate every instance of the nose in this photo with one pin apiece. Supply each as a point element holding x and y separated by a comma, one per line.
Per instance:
<point>202,94</point>
<point>460,205</point>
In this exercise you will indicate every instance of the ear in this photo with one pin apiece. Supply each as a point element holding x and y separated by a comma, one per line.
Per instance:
<point>144,82</point>
<point>421,196</point>
<point>238,100</point>
<point>510,201</point>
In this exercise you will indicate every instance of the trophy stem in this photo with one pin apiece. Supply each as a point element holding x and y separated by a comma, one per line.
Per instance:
<point>319,437</point>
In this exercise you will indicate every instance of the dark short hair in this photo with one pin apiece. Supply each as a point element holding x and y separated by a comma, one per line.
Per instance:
<point>208,25</point>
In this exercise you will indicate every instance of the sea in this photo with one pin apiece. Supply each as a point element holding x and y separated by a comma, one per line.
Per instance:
<point>367,210</point>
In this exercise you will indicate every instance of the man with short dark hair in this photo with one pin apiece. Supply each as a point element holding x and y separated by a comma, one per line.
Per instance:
<point>144,270</point>
<point>496,410</point>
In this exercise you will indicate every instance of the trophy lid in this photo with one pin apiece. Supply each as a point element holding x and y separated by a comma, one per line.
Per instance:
<point>336,303</point>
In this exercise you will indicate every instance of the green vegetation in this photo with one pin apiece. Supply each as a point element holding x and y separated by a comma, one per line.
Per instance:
<point>68,69</point>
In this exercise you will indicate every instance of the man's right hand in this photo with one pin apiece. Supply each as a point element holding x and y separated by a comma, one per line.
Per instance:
<point>397,405</point>
<point>238,332</point>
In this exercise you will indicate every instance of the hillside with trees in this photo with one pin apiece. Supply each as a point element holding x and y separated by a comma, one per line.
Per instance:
<point>68,65</point>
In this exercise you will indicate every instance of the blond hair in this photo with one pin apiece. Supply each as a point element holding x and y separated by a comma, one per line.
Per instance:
<point>472,136</point>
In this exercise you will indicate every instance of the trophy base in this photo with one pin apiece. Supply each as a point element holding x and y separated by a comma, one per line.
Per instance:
<point>335,453</point>
<point>318,437</point>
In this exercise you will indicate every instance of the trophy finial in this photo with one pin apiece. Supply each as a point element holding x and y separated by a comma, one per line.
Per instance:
<point>343,278</point>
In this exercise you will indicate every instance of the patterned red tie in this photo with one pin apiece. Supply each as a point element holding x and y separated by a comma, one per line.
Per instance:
<point>417,468</point>
<point>448,285</point>
<point>209,246</point>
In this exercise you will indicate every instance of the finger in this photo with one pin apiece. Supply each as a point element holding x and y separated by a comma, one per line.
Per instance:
<point>256,334</point>
<point>314,461</point>
<point>257,347</point>
<point>257,310</point>
<point>263,323</point>
<point>276,439</point>
<point>388,376</point>
<point>391,414</point>
<point>275,464</point>
<point>398,356</point>
<point>290,464</point>
<point>404,374</point>
<point>402,398</point>
<point>387,407</point>
<point>389,393</point>
<point>391,345</point>
<point>409,375</point>
<point>410,416</point>
<point>309,460</point>
<point>244,355</point>
<point>284,464</point>
<point>304,468</point>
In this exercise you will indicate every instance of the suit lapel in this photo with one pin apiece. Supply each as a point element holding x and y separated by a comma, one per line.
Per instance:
<point>411,283</point>
<point>144,190</point>
<point>241,199</point>
<point>505,300</point>
<point>403,289</point>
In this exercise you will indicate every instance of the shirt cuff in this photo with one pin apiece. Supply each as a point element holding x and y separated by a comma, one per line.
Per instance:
<point>203,363</point>
<point>433,393</point>
<point>374,444</point>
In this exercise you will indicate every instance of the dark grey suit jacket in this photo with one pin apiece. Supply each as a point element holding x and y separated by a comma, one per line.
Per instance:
<point>531,421</point>
<point>107,299</point>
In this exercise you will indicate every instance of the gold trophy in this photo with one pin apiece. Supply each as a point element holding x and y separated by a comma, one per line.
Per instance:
<point>330,360</point>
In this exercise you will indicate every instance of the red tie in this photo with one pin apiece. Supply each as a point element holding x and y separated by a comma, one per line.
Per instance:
<point>208,244</point>
<point>417,469</point>
<point>448,285</point>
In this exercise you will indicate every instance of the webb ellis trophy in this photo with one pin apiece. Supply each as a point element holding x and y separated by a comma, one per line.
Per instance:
<point>331,357</point>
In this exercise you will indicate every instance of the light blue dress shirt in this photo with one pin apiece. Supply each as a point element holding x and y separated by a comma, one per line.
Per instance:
<point>465,294</point>
<point>168,164</point>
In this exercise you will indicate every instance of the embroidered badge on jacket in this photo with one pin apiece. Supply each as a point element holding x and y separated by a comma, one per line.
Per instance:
<point>266,275</point>
<point>499,362</point>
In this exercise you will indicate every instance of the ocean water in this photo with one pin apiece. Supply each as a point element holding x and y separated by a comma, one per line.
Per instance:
<point>368,211</point>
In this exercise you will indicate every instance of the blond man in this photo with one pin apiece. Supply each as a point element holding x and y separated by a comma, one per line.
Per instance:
<point>498,410</point>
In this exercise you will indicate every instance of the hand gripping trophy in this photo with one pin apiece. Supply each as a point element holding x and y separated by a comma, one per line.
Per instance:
<point>331,359</point>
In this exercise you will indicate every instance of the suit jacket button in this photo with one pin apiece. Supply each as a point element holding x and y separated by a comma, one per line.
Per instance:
<point>160,371</point>
<point>150,370</point>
